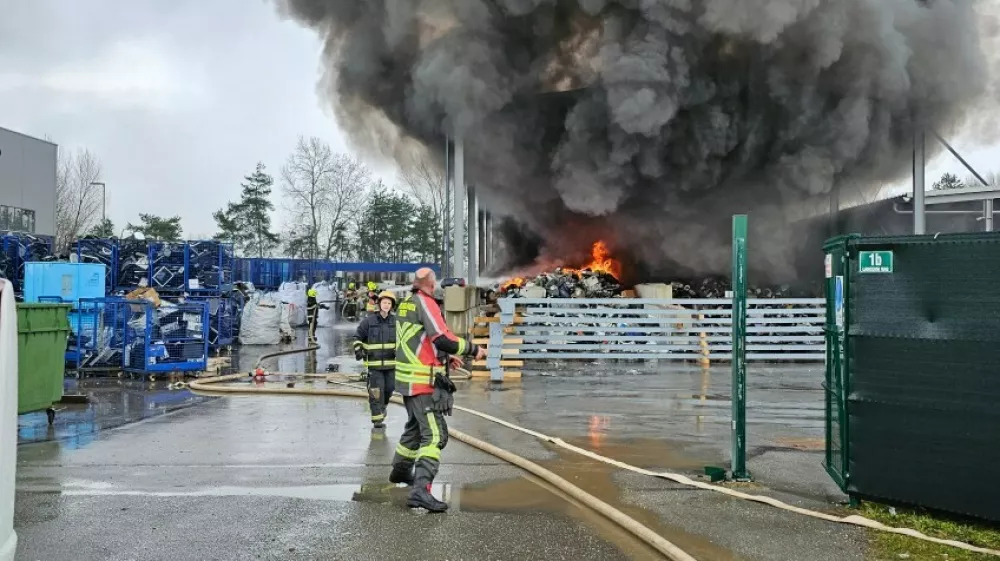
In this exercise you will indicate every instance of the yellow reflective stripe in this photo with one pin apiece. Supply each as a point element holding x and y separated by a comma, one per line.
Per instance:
<point>432,450</point>
<point>380,363</point>
<point>461,346</point>
<point>358,344</point>
<point>406,452</point>
<point>413,368</point>
<point>379,346</point>
<point>404,378</point>
<point>378,417</point>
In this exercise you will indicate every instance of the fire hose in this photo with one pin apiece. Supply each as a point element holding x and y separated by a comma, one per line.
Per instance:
<point>654,540</point>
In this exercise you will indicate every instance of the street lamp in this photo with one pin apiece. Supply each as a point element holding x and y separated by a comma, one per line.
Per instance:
<point>104,199</point>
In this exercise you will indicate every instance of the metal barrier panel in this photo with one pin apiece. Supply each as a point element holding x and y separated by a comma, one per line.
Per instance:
<point>675,329</point>
<point>171,338</point>
<point>835,384</point>
<point>922,385</point>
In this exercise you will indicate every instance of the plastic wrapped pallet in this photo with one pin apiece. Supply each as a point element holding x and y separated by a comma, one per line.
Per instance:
<point>260,323</point>
<point>325,294</point>
<point>294,293</point>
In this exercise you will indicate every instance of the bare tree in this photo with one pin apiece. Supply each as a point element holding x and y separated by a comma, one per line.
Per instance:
<point>306,184</point>
<point>424,181</point>
<point>78,204</point>
<point>992,179</point>
<point>323,190</point>
<point>349,188</point>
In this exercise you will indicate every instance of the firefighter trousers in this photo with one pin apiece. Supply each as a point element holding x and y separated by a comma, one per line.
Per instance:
<point>424,436</point>
<point>313,321</point>
<point>381,384</point>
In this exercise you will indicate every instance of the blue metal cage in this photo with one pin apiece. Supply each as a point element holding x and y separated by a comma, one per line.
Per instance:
<point>171,338</point>
<point>16,249</point>
<point>97,334</point>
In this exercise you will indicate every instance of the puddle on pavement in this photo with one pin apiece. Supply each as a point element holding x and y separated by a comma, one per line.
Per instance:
<point>649,453</point>
<point>113,402</point>
<point>524,495</point>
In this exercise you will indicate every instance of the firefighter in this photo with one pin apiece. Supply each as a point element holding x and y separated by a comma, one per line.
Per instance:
<point>375,343</point>
<point>350,308</point>
<point>371,304</point>
<point>312,309</point>
<point>422,341</point>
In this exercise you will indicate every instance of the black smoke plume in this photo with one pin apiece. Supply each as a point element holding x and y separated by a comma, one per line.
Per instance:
<point>647,123</point>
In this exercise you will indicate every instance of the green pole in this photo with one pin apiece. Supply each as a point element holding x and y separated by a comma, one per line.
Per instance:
<point>739,394</point>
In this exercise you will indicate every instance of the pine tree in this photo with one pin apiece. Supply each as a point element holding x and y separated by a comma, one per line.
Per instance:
<point>248,223</point>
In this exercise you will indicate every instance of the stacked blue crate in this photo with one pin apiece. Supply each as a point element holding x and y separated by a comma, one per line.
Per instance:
<point>168,266</point>
<point>133,265</point>
<point>209,267</point>
<point>17,249</point>
<point>169,338</point>
<point>103,251</point>
<point>222,320</point>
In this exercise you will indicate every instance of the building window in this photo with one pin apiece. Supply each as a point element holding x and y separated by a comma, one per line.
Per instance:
<point>17,219</point>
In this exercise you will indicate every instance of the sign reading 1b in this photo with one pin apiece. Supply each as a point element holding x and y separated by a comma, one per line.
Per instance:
<point>875,261</point>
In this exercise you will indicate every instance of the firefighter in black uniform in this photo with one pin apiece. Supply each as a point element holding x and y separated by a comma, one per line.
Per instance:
<point>312,310</point>
<point>375,343</point>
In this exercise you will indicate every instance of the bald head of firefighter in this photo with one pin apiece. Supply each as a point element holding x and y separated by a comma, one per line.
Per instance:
<point>375,343</point>
<point>423,346</point>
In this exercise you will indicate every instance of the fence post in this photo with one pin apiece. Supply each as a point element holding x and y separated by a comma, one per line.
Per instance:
<point>739,313</point>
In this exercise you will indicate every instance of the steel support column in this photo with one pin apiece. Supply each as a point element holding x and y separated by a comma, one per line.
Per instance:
<point>919,183</point>
<point>458,211</point>
<point>473,225</point>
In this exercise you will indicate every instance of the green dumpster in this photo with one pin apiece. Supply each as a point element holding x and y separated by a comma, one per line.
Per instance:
<point>42,332</point>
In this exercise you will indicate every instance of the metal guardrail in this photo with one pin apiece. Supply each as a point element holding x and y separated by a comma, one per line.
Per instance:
<point>778,329</point>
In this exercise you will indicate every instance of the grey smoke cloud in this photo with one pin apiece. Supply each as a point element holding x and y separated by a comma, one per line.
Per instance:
<point>678,112</point>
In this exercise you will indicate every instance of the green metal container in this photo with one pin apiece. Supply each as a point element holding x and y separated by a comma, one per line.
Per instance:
<point>42,332</point>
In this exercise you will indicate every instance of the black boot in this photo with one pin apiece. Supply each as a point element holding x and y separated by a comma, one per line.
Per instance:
<point>401,475</point>
<point>421,497</point>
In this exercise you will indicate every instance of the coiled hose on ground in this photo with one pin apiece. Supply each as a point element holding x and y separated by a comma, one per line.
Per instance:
<point>654,540</point>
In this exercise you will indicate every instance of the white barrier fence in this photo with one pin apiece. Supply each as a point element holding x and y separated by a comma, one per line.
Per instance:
<point>779,329</point>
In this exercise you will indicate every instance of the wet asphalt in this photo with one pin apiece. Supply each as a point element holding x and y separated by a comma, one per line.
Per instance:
<point>144,472</point>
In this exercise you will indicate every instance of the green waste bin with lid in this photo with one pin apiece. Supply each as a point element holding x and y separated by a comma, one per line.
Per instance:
<point>42,333</point>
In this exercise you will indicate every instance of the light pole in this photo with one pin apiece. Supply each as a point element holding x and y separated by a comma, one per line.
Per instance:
<point>104,199</point>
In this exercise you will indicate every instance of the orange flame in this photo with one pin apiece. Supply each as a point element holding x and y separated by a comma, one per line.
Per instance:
<point>601,262</point>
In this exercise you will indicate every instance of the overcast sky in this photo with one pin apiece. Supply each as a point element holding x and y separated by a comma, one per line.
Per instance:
<point>180,99</point>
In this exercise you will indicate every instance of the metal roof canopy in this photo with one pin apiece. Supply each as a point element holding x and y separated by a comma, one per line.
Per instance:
<point>963,195</point>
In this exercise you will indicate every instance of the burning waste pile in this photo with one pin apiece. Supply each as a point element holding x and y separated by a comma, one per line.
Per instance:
<point>597,279</point>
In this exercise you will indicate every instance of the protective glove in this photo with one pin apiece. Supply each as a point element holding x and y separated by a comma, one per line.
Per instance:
<point>359,354</point>
<point>443,401</point>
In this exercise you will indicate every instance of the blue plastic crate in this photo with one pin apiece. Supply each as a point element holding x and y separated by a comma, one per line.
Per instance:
<point>68,281</point>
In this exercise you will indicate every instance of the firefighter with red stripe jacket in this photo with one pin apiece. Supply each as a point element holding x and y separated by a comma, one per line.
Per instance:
<point>422,339</point>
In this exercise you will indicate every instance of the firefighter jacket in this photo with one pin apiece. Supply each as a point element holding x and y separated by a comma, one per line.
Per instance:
<point>423,340</point>
<point>376,340</point>
<point>312,304</point>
